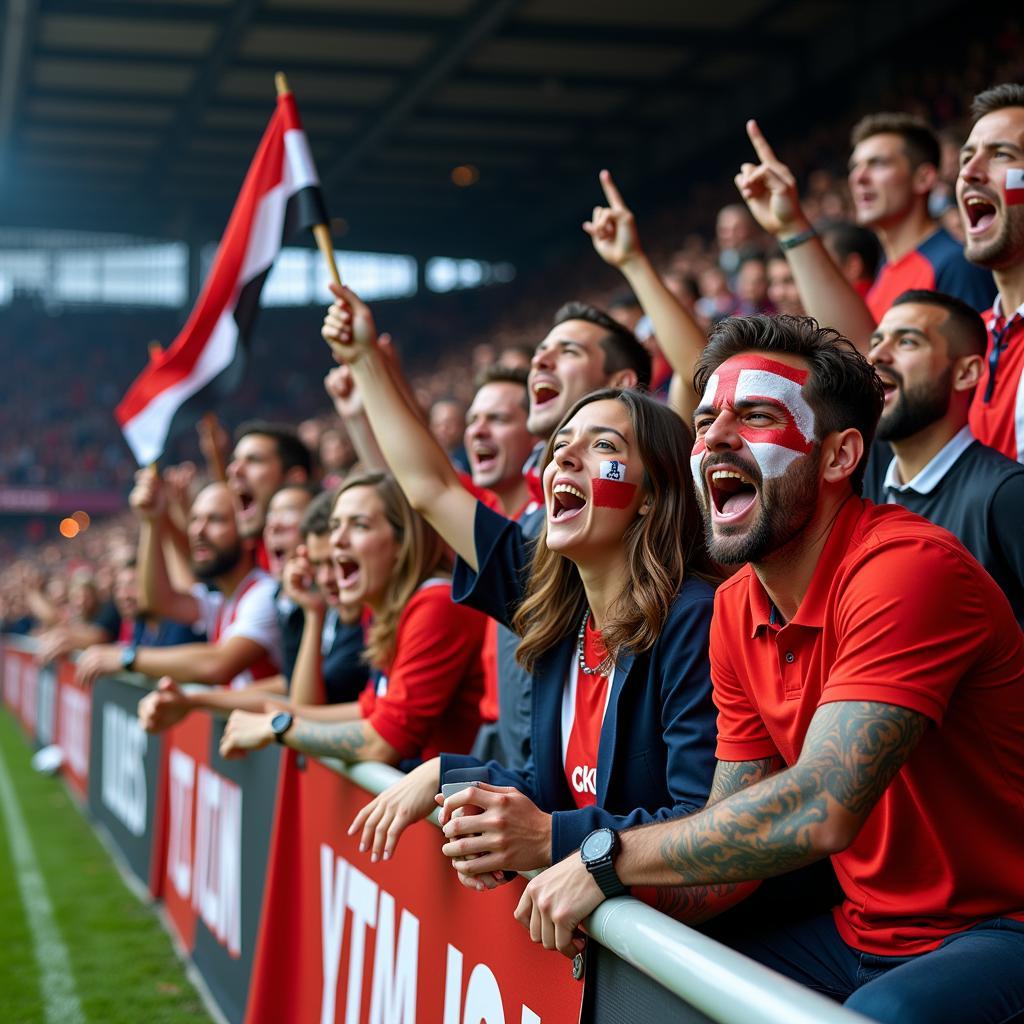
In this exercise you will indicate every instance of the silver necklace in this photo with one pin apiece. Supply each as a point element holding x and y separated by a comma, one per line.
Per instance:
<point>601,669</point>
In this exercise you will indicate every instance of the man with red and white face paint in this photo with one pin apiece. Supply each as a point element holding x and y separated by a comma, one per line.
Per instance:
<point>869,681</point>
<point>753,423</point>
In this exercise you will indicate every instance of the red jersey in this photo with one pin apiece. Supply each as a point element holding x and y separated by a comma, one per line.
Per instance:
<point>428,700</point>
<point>938,265</point>
<point>584,703</point>
<point>997,410</point>
<point>900,613</point>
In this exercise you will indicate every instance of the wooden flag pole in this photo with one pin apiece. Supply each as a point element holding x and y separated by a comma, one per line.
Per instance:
<point>321,232</point>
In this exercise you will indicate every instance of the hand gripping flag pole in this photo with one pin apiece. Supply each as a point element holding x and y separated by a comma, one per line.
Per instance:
<point>205,363</point>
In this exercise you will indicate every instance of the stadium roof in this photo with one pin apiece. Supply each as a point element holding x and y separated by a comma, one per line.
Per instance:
<point>142,116</point>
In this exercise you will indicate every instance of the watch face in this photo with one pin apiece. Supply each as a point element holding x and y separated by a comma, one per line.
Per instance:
<point>280,722</point>
<point>597,845</point>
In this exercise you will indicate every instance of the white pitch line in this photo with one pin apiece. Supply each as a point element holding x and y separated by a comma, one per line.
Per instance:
<point>56,982</point>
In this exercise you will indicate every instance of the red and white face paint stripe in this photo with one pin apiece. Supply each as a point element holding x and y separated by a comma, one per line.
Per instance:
<point>1013,186</point>
<point>749,378</point>
<point>610,488</point>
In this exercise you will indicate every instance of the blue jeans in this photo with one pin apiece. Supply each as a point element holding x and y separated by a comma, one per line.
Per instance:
<point>975,977</point>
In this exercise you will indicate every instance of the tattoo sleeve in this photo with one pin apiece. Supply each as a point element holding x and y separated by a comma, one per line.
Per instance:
<point>852,751</point>
<point>344,740</point>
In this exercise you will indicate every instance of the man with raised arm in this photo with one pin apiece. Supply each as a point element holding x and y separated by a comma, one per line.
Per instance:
<point>233,603</point>
<point>869,679</point>
<point>892,170</point>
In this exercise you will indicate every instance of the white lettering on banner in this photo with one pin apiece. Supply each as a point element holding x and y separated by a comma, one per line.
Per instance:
<point>584,779</point>
<point>47,702</point>
<point>393,1000</point>
<point>124,768</point>
<point>332,925</point>
<point>345,889</point>
<point>217,879</point>
<point>73,728</point>
<point>182,775</point>
<point>361,899</point>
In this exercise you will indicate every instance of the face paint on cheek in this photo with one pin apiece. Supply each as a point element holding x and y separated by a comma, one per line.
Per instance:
<point>1013,186</point>
<point>610,487</point>
<point>753,379</point>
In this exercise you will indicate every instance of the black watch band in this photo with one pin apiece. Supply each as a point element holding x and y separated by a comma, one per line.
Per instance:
<point>280,724</point>
<point>598,855</point>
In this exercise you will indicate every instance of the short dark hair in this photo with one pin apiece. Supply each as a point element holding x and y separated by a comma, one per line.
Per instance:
<point>498,374</point>
<point>842,388</point>
<point>964,329</point>
<point>919,140</point>
<point>848,239</point>
<point>1009,94</point>
<point>622,351</point>
<point>316,519</point>
<point>290,449</point>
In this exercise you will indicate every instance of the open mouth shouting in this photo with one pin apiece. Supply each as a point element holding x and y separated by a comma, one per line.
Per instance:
<point>544,390</point>
<point>567,501</point>
<point>980,212</point>
<point>890,385</point>
<point>483,455</point>
<point>348,574</point>
<point>733,493</point>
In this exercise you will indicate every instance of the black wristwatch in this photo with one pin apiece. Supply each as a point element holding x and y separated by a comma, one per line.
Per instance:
<point>128,653</point>
<point>281,723</point>
<point>598,854</point>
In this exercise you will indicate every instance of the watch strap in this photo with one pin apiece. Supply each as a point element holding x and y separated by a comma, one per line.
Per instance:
<point>607,880</point>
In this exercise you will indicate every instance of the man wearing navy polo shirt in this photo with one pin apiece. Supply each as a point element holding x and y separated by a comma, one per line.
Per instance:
<point>869,678</point>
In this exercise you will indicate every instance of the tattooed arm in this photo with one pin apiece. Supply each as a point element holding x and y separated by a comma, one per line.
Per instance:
<point>851,753</point>
<point>354,740</point>
<point>696,903</point>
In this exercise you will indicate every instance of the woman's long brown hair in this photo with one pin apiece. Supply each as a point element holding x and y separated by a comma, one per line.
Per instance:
<point>421,555</point>
<point>661,546</point>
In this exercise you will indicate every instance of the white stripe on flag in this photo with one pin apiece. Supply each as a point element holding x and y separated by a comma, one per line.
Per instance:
<point>299,171</point>
<point>1015,177</point>
<point>146,432</point>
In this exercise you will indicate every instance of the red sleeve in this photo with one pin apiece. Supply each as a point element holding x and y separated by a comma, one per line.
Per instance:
<point>368,698</point>
<point>912,621</point>
<point>742,735</point>
<point>436,644</point>
<point>482,494</point>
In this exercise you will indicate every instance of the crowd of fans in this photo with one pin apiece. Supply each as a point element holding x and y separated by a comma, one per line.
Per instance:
<point>810,694</point>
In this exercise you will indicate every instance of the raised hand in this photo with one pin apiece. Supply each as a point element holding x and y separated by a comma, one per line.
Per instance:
<point>246,731</point>
<point>769,189</point>
<point>297,580</point>
<point>147,496</point>
<point>612,228</point>
<point>343,393</point>
<point>348,326</point>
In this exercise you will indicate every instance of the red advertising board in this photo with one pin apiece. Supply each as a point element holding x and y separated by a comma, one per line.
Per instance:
<point>21,675</point>
<point>347,940</point>
<point>73,713</point>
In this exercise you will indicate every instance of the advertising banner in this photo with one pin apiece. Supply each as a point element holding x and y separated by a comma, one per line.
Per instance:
<point>213,847</point>
<point>122,778</point>
<point>73,709</point>
<point>399,941</point>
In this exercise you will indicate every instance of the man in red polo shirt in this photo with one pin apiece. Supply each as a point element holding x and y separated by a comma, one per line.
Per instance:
<point>990,193</point>
<point>869,677</point>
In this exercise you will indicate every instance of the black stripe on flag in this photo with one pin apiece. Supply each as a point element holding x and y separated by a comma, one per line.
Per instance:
<point>303,209</point>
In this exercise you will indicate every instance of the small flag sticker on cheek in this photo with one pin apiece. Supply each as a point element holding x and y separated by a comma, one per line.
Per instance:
<point>1014,186</point>
<point>611,488</point>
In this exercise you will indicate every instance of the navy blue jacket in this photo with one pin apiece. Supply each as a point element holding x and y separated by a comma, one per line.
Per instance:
<point>656,755</point>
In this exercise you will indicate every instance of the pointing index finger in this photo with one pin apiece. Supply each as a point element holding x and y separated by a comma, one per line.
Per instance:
<point>611,193</point>
<point>764,151</point>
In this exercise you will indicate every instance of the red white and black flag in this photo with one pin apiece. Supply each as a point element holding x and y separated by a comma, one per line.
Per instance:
<point>280,196</point>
